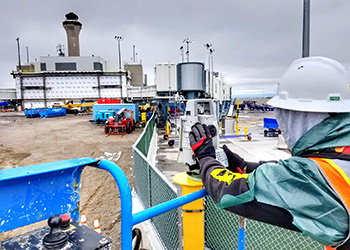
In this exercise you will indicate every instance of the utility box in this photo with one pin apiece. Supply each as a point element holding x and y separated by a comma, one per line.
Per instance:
<point>166,77</point>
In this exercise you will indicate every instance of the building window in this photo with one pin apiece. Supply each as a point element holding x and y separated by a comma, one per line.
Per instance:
<point>66,66</point>
<point>42,66</point>
<point>98,66</point>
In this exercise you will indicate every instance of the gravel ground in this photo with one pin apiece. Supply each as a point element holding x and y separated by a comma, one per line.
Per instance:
<point>27,141</point>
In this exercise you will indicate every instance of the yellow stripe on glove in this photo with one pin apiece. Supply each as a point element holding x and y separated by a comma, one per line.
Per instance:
<point>225,175</point>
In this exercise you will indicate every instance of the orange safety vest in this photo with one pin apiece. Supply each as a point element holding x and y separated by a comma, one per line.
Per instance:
<point>336,177</point>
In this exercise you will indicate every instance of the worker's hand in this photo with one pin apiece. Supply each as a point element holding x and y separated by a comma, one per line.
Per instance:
<point>235,162</point>
<point>201,141</point>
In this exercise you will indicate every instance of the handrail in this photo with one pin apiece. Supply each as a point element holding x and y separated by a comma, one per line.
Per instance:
<point>128,220</point>
<point>167,206</point>
<point>125,199</point>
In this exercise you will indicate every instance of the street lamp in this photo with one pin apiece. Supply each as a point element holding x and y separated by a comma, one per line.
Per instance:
<point>188,41</point>
<point>119,38</point>
<point>210,68</point>
<point>19,54</point>
<point>213,85</point>
<point>182,53</point>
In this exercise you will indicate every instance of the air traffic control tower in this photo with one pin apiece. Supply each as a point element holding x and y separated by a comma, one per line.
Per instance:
<point>72,27</point>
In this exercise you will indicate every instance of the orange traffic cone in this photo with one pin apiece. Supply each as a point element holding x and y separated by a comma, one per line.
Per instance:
<point>83,218</point>
<point>97,227</point>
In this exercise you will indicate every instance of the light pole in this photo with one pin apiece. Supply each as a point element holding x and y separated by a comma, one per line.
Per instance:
<point>207,72</point>
<point>119,38</point>
<point>211,50</point>
<point>210,68</point>
<point>306,29</point>
<point>182,53</point>
<point>27,48</point>
<point>188,41</point>
<point>19,54</point>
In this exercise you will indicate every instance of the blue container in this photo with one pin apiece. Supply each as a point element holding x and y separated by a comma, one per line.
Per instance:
<point>30,113</point>
<point>103,115</point>
<point>52,112</point>
<point>148,116</point>
<point>115,107</point>
<point>270,123</point>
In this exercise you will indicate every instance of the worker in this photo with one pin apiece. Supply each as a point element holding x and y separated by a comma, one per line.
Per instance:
<point>110,121</point>
<point>310,191</point>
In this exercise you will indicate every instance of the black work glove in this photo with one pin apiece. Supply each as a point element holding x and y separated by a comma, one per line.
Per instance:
<point>201,141</point>
<point>235,163</point>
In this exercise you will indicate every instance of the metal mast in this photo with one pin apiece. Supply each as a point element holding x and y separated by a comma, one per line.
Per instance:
<point>188,41</point>
<point>306,29</point>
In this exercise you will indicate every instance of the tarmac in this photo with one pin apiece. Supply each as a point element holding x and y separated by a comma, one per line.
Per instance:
<point>254,150</point>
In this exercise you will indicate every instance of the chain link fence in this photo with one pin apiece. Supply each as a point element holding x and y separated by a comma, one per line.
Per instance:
<point>221,227</point>
<point>152,188</point>
<point>221,232</point>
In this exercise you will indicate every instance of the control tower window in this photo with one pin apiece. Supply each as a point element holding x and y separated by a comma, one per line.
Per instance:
<point>66,66</point>
<point>42,66</point>
<point>98,66</point>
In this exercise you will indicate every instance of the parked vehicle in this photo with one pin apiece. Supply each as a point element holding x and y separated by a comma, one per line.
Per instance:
<point>121,123</point>
<point>271,127</point>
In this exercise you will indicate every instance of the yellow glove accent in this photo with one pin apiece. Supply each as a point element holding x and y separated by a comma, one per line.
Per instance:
<point>225,175</point>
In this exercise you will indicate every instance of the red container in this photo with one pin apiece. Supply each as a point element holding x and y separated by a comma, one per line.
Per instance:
<point>106,100</point>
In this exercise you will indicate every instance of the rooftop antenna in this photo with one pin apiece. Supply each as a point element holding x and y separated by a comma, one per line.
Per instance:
<point>133,52</point>
<point>60,50</point>
<point>188,41</point>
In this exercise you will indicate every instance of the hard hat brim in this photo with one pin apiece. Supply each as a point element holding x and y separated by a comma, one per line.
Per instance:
<point>311,105</point>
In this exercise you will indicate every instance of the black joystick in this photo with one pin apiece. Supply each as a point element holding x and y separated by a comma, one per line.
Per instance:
<point>56,239</point>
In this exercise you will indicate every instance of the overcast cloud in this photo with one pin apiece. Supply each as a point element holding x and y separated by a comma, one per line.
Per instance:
<point>254,41</point>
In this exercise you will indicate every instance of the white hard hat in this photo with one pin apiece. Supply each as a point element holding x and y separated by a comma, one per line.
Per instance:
<point>314,84</point>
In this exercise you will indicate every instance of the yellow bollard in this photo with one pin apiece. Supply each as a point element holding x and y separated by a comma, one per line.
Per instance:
<point>220,128</point>
<point>168,128</point>
<point>144,117</point>
<point>245,133</point>
<point>237,129</point>
<point>237,109</point>
<point>192,214</point>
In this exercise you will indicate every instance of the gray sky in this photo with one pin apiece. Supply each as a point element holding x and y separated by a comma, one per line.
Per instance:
<point>254,41</point>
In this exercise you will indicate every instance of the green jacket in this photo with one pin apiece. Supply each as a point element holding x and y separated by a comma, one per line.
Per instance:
<point>295,185</point>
